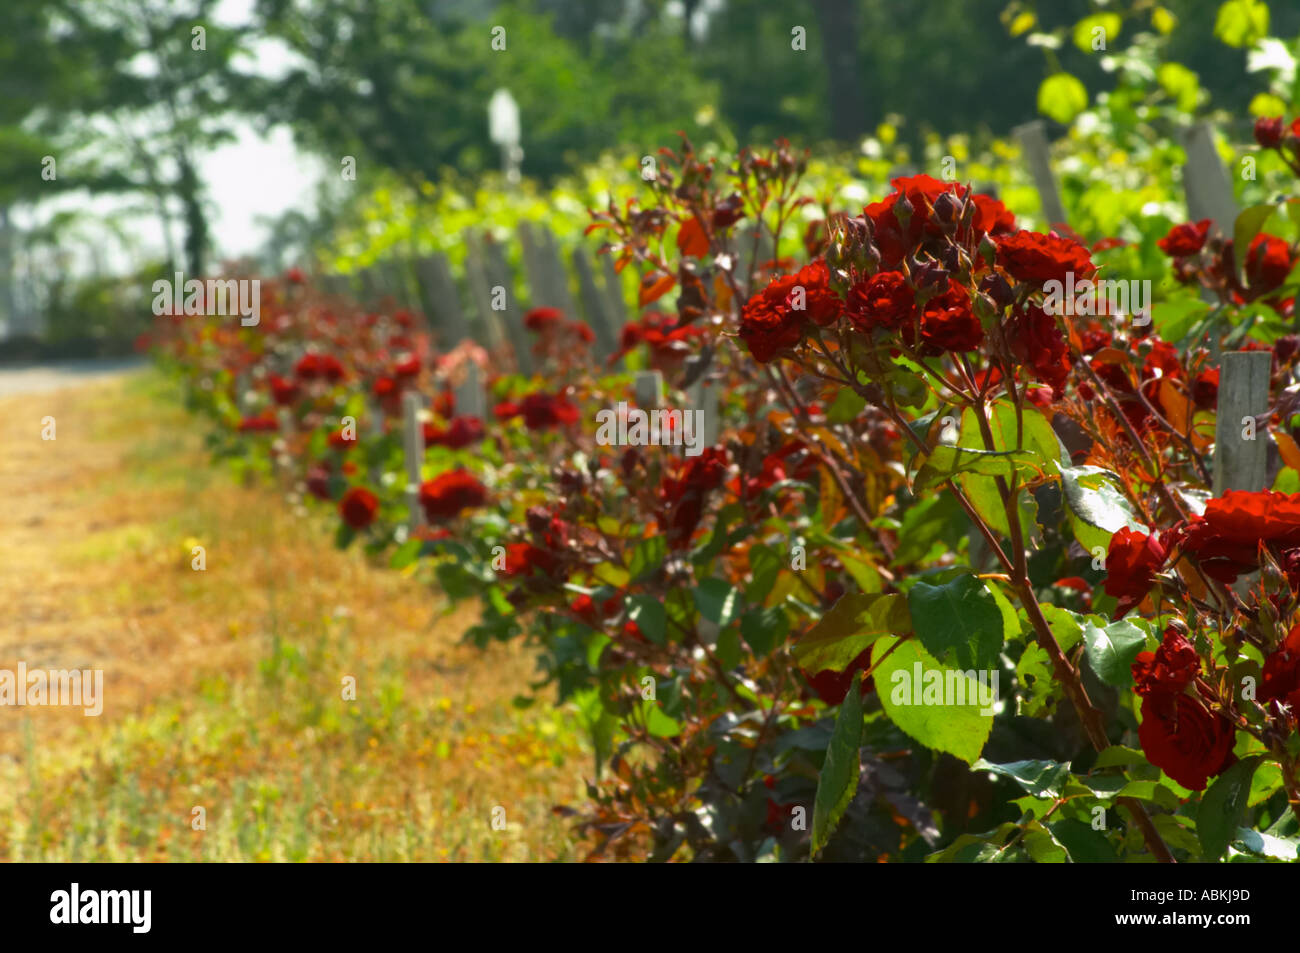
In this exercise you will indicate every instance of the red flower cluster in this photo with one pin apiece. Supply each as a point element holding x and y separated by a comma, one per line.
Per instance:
<point>461,432</point>
<point>313,366</point>
<point>1280,679</point>
<point>1226,539</point>
<point>358,507</point>
<point>1185,240</point>
<point>1036,339</point>
<point>1037,258</point>
<point>682,496</point>
<point>264,422</point>
<point>447,494</point>
<point>540,411</point>
<point>1179,733</point>
<point>773,319</point>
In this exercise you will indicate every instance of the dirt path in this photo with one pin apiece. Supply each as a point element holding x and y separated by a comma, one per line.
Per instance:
<point>222,686</point>
<point>43,378</point>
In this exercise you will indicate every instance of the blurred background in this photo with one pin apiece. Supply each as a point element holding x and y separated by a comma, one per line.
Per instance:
<point>141,137</point>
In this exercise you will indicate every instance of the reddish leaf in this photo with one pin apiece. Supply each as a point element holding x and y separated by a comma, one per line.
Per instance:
<point>691,239</point>
<point>652,288</point>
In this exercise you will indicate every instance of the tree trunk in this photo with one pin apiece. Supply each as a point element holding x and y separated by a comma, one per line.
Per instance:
<point>839,29</point>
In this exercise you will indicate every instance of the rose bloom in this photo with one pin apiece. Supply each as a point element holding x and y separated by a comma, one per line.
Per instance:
<point>1280,679</point>
<point>1036,340</point>
<point>767,325</point>
<point>883,300</point>
<point>1132,562</point>
<point>1184,739</point>
<point>1037,258</point>
<point>523,558</point>
<point>283,391</point>
<point>539,319</point>
<point>1268,131</point>
<point>820,305</point>
<point>358,507</point>
<point>460,433</point>
<point>1169,669</point>
<point>338,440</point>
<point>948,323</point>
<point>447,494</point>
<point>991,216</point>
<point>1226,538</point>
<point>543,412</point>
<point>682,496</point>
<point>1268,262</point>
<point>892,239</point>
<point>1186,239</point>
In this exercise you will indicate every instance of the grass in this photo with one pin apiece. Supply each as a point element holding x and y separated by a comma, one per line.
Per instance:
<point>224,688</point>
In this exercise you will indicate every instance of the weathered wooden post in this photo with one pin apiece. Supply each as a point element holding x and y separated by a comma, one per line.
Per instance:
<point>595,306</point>
<point>470,397</point>
<point>703,396</point>
<point>491,334</point>
<point>649,389</point>
<point>441,299</point>
<point>614,294</point>
<point>499,276</point>
<point>413,450</point>
<point>1205,181</point>
<point>1038,156</point>
<point>1240,455</point>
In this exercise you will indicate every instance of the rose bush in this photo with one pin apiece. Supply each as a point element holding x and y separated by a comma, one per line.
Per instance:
<point>950,585</point>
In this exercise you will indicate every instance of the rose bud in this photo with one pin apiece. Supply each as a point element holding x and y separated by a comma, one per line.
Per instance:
<point>1268,131</point>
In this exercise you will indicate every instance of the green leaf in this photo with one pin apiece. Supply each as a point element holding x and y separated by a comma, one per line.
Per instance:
<point>657,722</point>
<point>958,618</point>
<point>651,618</point>
<point>1026,432</point>
<point>1183,85</point>
<point>764,628</point>
<point>846,406</point>
<point>1223,807</point>
<point>1118,756</point>
<point>1111,650</point>
<point>1039,778</point>
<point>1096,507</point>
<point>960,730</point>
<point>764,565</point>
<point>838,781</point>
<point>1062,97</point>
<point>647,557</point>
<point>718,601</point>
<point>1265,845</point>
<point>853,624</point>
<point>935,519</point>
<point>945,462</point>
<point>1085,845</point>
<point>1241,22</point>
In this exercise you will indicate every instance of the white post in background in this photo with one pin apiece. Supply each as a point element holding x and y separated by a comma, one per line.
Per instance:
<point>503,129</point>
<point>1205,181</point>
<point>413,450</point>
<point>1033,142</point>
<point>470,398</point>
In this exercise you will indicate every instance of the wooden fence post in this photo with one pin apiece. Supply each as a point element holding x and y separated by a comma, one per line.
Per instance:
<point>441,298</point>
<point>413,450</point>
<point>499,275</point>
<point>614,294</point>
<point>649,389</point>
<point>492,334</point>
<point>595,306</point>
<point>702,395</point>
<point>1241,455</point>
<point>1033,142</point>
<point>470,397</point>
<point>1205,181</point>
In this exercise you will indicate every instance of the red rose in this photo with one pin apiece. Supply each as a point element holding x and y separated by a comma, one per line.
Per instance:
<point>897,237</point>
<point>1186,239</point>
<point>991,216</point>
<point>1132,562</point>
<point>1268,131</point>
<point>358,507</point>
<point>1037,258</point>
<point>539,319</point>
<point>1184,739</point>
<point>1169,669</point>
<point>682,496</point>
<point>447,494</point>
<point>1036,340</point>
<point>1268,262</point>
<point>767,325</point>
<point>264,422</point>
<point>460,433</point>
<point>820,305</point>
<point>318,481</point>
<point>948,323</point>
<point>1226,538</point>
<point>523,558</point>
<point>283,391</point>
<point>339,440</point>
<point>543,412</point>
<point>883,300</point>
<point>1280,679</point>
<point>407,367</point>
<point>1205,389</point>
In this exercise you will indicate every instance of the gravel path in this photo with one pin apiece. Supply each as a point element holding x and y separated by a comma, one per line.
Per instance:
<point>42,378</point>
